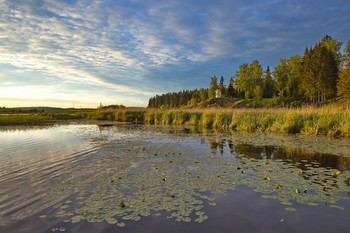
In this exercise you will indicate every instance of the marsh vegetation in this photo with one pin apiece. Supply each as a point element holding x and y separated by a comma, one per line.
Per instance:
<point>308,121</point>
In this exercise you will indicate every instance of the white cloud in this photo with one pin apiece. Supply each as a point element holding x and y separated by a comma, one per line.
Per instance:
<point>122,45</point>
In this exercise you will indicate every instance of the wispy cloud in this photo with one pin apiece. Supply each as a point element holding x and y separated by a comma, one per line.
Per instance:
<point>136,48</point>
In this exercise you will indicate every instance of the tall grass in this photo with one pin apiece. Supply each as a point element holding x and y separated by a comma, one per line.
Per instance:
<point>311,121</point>
<point>21,119</point>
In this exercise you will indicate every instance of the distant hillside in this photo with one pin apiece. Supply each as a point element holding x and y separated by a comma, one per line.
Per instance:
<point>42,109</point>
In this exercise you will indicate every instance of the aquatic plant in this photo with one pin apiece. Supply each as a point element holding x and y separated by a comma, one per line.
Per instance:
<point>177,181</point>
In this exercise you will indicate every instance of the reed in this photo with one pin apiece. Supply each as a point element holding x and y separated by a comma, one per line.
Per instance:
<point>207,120</point>
<point>312,121</point>
<point>19,119</point>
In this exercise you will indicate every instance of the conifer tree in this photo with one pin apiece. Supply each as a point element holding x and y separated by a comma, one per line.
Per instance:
<point>222,86</point>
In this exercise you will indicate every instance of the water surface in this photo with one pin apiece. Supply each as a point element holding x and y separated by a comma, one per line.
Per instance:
<point>127,178</point>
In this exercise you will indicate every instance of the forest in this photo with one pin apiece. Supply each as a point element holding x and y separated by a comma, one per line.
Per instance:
<point>320,75</point>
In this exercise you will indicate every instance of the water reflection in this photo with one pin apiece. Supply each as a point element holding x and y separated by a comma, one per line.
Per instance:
<point>178,177</point>
<point>33,159</point>
<point>293,155</point>
<point>328,152</point>
<point>122,173</point>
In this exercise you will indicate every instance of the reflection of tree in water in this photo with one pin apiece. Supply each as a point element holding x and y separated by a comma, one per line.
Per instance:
<point>217,144</point>
<point>294,155</point>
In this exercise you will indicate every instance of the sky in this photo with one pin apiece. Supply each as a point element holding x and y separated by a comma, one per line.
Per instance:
<point>80,53</point>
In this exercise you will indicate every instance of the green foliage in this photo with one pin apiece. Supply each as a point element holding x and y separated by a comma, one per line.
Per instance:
<point>344,77</point>
<point>181,117</point>
<point>158,118</point>
<point>195,118</point>
<point>203,94</point>
<point>213,87</point>
<point>231,91</point>
<point>149,117</point>
<point>269,85</point>
<point>294,73</point>
<point>222,120</point>
<point>248,77</point>
<point>30,119</point>
<point>281,77</point>
<point>320,70</point>
<point>314,77</point>
<point>167,118</point>
<point>207,119</point>
<point>101,115</point>
<point>221,86</point>
<point>203,104</point>
<point>258,92</point>
<point>193,102</point>
<point>133,116</point>
<point>327,121</point>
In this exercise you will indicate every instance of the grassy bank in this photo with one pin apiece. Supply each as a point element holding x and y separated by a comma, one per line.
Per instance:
<point>24,119</point>
<point>310,121</point>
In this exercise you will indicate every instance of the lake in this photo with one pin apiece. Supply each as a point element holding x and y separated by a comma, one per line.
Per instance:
<point>86,177</point>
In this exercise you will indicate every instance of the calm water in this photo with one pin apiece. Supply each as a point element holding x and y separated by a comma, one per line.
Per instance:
<point>125,178</point>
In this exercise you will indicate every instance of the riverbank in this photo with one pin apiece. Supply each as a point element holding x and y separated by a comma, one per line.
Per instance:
<point>308,121</point>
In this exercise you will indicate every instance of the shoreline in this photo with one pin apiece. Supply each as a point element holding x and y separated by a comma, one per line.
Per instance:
<point>333,123</point>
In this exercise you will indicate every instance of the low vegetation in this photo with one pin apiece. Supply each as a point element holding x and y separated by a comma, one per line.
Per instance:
<point>328,121</point>
<point>28,119</point>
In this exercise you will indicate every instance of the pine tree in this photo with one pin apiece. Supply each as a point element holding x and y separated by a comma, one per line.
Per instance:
<point>308,81</point>
<point>222,86</point>
<point>230,91</point>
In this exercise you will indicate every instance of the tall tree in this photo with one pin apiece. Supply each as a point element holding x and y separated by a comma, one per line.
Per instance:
<point>344,77</point>
<point>231,93</point>
<point>269,86</point>
<point>280,76</point>
<point>333,46</point>
<point>308,79</point>
<point>213,87</point>
<point>294,74</point>
<point>203,94</point>
<point>248,77</point>
<point>221,86</point>
<point>320,70</point>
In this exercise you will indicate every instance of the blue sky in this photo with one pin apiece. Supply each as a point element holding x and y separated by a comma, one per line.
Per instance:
<point>79,53</point>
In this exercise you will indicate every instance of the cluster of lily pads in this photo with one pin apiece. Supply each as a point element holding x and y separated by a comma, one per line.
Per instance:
<point>169,176</point>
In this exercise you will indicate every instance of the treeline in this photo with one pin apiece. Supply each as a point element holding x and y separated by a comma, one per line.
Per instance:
<point>178,99</point>
<point>321,74</point>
